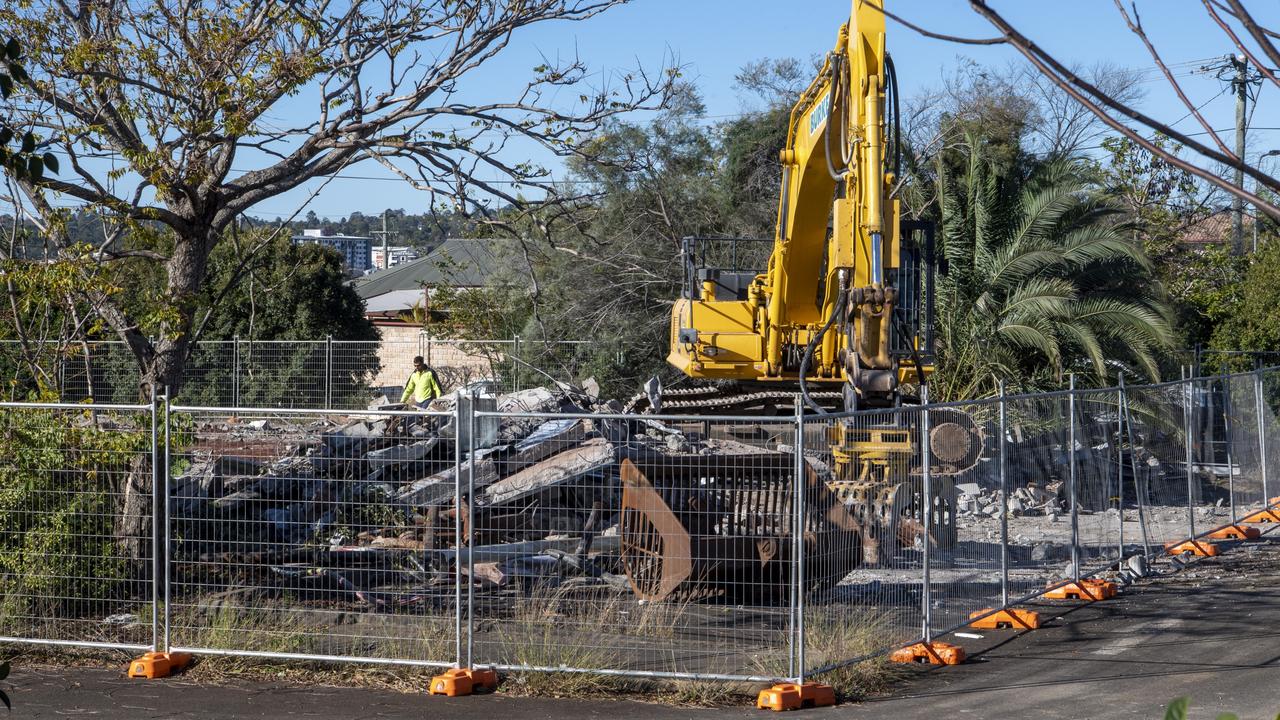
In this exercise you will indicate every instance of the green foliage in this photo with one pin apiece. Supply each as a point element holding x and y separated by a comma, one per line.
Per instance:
<point>42,323</point>
<point>1178,708</point>
<point>285,292</point>
<point>1203,282</point>
<point>1251,319</point>
<point>22,160</point>
<point>58,489</point>
<point>282,292</point>
<point>1041,280</point>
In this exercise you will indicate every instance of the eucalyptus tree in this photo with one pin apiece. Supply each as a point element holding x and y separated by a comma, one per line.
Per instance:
<point>172,118</point>
<point>167,115</point>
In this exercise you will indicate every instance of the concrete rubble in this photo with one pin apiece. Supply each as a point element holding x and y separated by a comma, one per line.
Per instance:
<point>382,504</point>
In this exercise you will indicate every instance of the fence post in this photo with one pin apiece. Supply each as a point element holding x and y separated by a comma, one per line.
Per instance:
<point>471,529</point>
<point>1188,415</point>
<point>168,502</point>
<point>797,548</point>
<point>515,365</point>
<point>1071,479</point>
<point>926,502</point>
<point>1004,511</point>
<point>1120,403</point>
<point>235,371</point>
<point>328,371</point>
<point>1227,430</point>
<point>157,511</point>
<point>457,531</point>
<point>1262,433</point>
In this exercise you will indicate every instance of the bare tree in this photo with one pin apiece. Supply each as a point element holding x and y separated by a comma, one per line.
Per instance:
<point>165,112</point>
<point>1236,24</point>
<point>1064,126</point>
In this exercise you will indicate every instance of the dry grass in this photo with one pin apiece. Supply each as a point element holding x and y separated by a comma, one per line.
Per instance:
<point>832,638</point>
<point>550,628</point>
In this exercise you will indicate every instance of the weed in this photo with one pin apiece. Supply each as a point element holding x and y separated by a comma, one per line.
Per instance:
<point>833,638</point>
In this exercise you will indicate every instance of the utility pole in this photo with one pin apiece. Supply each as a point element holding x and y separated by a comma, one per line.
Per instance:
<point>386,247</point>
<point>1240,84</point>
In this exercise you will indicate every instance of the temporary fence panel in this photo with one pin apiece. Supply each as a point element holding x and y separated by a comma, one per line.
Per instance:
<point>865,593</point>
<point>1094,483</point>
<point>1156,424</point>
<point>295,536</point>
<point>77,546</point>
<point>1267,397</point>
<point>1038,462</point>
<point>968,564</point>
<point>611,543</point>
<point>358,371</point>
<point>524,533</point>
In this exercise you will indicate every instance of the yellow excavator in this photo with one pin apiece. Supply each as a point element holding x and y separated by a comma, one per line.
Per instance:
<point>842,317</point>
<point>844,301</point>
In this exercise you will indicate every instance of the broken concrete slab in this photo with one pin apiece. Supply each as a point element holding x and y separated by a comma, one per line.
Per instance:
<point>546,440</point>
<point>349,440</point>
<point>533,400</point>
<point>439,488</point>
<point>394,455</point>
<point>593,455</point>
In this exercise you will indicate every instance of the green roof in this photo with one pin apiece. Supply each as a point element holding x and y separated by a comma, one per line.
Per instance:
<point>457,262</point>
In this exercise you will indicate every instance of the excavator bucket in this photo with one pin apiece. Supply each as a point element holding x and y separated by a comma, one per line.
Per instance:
<point>725,526</point>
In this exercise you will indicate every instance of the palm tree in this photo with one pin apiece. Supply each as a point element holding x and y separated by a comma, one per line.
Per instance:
<point>1041,280</point>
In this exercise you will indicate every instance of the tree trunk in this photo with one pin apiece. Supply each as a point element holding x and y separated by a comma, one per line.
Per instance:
<point>162,366</point>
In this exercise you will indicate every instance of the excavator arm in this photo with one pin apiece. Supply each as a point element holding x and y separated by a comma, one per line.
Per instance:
<point>823,311</point>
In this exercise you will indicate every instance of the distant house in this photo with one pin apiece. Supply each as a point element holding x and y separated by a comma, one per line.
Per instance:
<point>397,254</point>
<point>1215,229</point>
<point>354,249</point>
<point>390,295</point>
<point>457,263</point>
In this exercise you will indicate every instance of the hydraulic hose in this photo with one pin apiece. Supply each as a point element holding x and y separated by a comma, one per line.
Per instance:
<point>897,121</point>
<point>807,360</point>
<point>836,77</point>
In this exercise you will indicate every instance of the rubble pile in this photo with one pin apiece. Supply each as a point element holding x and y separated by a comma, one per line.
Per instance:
<point>376,506</point>
<point>1030,500</point>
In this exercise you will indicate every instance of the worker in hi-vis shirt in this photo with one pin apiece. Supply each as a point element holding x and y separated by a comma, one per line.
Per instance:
<point>421,385</point>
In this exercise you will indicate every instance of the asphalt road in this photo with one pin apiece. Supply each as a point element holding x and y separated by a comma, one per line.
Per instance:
<point>1211,632</point>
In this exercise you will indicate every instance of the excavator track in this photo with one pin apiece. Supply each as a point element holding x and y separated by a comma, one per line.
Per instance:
<point>716,401</point>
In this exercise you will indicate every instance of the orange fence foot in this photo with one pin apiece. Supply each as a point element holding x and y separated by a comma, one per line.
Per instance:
<point>1004,619</point>
<point>934,653</point>
<point>1262,516</point>
<point>158,665</point>
<point>1195,547</point>
<point>790,696</point>
<point>464,681</point>
<point>1235,532</point>
<point>1089,590</point>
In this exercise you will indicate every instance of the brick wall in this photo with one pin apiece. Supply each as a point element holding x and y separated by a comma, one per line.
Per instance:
<point>456,363</point>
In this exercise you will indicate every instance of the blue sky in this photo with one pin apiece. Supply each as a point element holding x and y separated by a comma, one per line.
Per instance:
<point>714,38</point>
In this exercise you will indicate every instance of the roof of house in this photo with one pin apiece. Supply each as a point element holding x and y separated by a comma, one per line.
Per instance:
<point>456,262</point>
<point>392,303</point>
<point>1214,229</point>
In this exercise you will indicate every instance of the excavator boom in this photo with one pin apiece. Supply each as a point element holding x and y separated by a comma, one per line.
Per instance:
<point>827,310</point>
